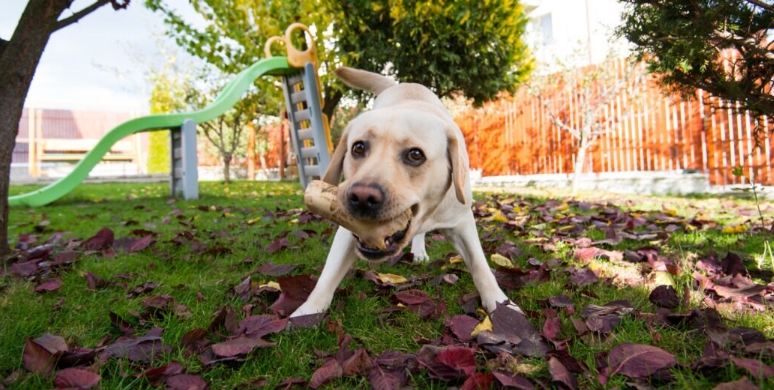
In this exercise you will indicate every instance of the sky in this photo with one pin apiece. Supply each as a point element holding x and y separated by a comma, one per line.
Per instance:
<point>99,62</point>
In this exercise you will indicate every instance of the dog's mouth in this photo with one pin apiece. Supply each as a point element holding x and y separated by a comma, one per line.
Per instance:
<point>392,245</point>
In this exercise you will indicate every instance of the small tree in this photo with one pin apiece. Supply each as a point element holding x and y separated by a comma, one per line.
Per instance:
<point>226,133</point>
<point>19,57</point>
<point>723,47</point>
<point>591,94</point>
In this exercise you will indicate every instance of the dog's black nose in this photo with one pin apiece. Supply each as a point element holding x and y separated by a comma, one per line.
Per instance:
<point>365,199</point>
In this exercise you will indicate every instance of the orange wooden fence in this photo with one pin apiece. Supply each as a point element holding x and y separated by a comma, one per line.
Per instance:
<point>514,136</point>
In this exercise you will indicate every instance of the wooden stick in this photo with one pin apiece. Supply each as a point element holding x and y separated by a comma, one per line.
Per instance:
<point>322,199</point>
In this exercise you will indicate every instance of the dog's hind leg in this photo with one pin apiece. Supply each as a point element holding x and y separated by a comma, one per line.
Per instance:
<point>465,239</point>
<point>419,249</point>
<point>340,259</point>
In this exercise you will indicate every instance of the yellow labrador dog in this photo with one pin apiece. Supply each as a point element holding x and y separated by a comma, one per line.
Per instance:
<point>405,153</point>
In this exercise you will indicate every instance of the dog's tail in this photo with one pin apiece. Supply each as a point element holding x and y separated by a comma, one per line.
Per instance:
<point>361,79</point>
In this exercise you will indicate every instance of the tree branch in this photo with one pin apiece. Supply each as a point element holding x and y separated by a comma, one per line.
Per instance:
<point>80,14</point>
<point>761,4</point>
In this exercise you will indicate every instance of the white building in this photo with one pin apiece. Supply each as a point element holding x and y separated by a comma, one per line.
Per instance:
<point>576,31</point>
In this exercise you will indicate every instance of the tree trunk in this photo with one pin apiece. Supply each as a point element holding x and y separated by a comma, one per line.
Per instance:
<point>226,169</point>
<point>250,151</point>
<point>18,60</point>
<point>580,160</point>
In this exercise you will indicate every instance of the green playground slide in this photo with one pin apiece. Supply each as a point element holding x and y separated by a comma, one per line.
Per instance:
<point>228,97</point>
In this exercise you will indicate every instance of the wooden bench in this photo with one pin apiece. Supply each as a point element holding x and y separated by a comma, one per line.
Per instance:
<point>73,150</point>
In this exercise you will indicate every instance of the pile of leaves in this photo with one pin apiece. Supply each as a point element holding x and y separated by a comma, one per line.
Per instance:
<point>573,338</point>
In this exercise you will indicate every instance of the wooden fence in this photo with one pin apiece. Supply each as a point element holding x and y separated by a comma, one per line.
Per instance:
<point>515,136</point>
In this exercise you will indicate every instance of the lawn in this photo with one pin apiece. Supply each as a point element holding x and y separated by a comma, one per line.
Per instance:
<point>122,287</point>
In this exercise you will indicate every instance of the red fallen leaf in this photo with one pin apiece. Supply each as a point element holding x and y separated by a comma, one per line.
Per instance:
<point>559,373</point>
<point>121,324</point>
<point>551,328</point>
<point>638,360</point>
<point>52,343</point>
<point>516,331</point>
<point>357,364</point>
<point>664,296</point>
<point>478,381</point>
<point>569,362</point>
<point>100,241</point>
<point>458,358</point>
<point>411,297</point>
<point>141,244</point>
<point>155,375</point>
<point>65,257</point>
<point>38,359</point>
<point>741,384</point>
<point>385,379</point>
<point>295,291</point>
<point>76,378</point>
<point>141,349</point>
<point>186,382</point>
<point>288,383</point>
<point>241,345</point>
<point>49,285</point>
<point>261,325</point>
<point>278,245</point>
<point>509,379</point>
<point>141,289</point>
<point>756,368</point>
<point>732,265</point>
<point>271,269</point>
<point>308,320</point>
<point>583,277</point>
<point>227,318</point>
<point>447,364</point>
<point>329,371</point>
<point>462,326</point>
<point>26,268</point>
<point>95,282</point>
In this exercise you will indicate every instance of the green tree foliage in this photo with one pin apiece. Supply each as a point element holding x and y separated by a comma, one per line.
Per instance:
<point>468,47</point>
<point>234,32</point>
<point>684,43</point>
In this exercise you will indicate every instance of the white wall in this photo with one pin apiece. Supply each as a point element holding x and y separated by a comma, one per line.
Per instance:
<point>579,31</point>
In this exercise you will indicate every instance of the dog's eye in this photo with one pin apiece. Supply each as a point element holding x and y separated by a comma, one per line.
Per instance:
<point>414,157</point>
<point>358,149</point>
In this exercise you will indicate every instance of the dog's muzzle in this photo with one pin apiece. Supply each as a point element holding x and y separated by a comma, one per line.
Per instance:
<point>392,245</point>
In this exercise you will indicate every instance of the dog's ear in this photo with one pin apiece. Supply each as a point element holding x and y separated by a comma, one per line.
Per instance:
<point>458,172</point>
<point>333,173</point>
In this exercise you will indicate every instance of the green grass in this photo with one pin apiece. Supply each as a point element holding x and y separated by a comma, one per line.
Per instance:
<point>246,217</point>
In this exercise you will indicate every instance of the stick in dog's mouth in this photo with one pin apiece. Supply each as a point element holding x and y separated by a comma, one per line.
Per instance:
<point>376,239</point>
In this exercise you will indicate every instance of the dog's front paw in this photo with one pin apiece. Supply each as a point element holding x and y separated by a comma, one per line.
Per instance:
<point>419,249</point>
<point>420,254</point>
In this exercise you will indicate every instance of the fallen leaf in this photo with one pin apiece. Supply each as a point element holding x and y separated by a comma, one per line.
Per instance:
<point>391,279</point>
<point>49,285</point>
<point>741,384</point>
<point>638,360</point>
<point>559,373</point>
<point>76,378</point>
<point>756,368</point>
<point>664,296</point>
<point>329,371</point>
<point>186,382</point>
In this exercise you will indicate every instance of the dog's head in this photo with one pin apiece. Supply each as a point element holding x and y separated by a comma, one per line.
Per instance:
<point>405,153</point>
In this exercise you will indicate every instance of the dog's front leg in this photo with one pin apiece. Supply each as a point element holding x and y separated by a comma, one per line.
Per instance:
<point>419,249</point>
<point>340,259</point>
<point>465,239</point>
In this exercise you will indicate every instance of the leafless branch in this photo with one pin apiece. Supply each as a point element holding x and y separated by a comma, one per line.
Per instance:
<point>74,18</point>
